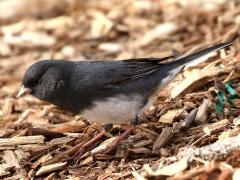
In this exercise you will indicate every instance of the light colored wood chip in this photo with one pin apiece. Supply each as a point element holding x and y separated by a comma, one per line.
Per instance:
<point>50,168</point>
<point>142,143</point>
<point>138,176</point>
<point>171,116</point>
<point>23,116</point>
<point>58,141</point>
<point>110,47</point>
<point>27,147</point>
<point>196,78</point>
<point>51,176</point>
<point>41,160</point>
<point>7,148</point>
<point>171,169</point>
<point>4,169</point>
<point>236,121</point>
<point>15,177</point>
<point>74,135</point>
<point>161,31</point>
<point>8,106</point>
<point>203,112</point>
<point>87,161</point>
<point>30,39</point>
<point>100,25</point>
<point>103,145</point>
<point>11,159</point>
<point>21,140</point>
<point>215,127</point>
<point>229,133</point>
<point>236,175</point>
<point>141,150</point>
<point>134,138</point>
<point>21,155</point>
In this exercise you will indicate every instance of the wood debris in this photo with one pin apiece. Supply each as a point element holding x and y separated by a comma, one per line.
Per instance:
<point>11,159</point>
<point>21,140</point>
<point>171,116</point>
<point>197,78</point>
<point>182,136</point>
<point>169,170</point>
<point>50,168</point>
<point>203,112</point>
<point>215,127</point>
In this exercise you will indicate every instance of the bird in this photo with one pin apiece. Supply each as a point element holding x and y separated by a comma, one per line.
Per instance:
<point>106,91</point>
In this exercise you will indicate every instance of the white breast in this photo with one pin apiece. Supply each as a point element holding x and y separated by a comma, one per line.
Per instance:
<point>122,109</point>
<point>115,110</point>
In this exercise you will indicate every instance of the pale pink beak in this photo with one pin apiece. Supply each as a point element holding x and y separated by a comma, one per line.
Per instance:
<point>23,91</point>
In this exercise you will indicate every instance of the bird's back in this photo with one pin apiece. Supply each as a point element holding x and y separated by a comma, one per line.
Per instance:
<point>108,91</point>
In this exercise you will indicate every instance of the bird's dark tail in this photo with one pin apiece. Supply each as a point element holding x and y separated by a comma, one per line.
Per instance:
<point>181,62</point>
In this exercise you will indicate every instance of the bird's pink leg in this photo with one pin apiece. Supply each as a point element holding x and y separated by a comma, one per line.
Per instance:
<point>114,144</point>
<point>85,146</point>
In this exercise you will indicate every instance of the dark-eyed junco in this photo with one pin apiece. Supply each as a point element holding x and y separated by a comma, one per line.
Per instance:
<point>107,92</point>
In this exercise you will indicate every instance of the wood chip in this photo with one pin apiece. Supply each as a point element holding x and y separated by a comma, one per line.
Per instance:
<point>110,47</point>
<point>171,169</point>
<point>70,127</point>
<point>50,176</point>
<point>100,25</point>
<point>21,155</point>
<point>236,174</point>
<point>142,143</point>
<point>30,39</point>
<point>114,30</point>
<point>203,112</point>
<point>8,107</point>
<point>198,78</point>
<point>215,127</point>
<point>190,118</point>
<point>41,160</point>
<point>46,133</point>
<point>21,140</point>
<point>103,145</point>
<point>122,150</point>
<point>65,154</point>
<point>11,159</point>
<point>50,168</point>
<point>171,116</point>
<point>4,169</point>
<point>229,133</point>
<point>141,150</point>
<point>87,161</point>
<point>162,139</point>
<point>60,141</point>
<point>161,31</point>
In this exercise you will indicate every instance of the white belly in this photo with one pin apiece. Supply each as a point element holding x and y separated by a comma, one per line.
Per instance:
<point>116,110</point>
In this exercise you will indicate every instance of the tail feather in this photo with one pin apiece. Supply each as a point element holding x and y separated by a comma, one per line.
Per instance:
<point>183,61</point>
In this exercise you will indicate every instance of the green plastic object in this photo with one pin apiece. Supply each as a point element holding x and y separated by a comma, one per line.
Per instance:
<point>220,101</point>
<point>233,95</point>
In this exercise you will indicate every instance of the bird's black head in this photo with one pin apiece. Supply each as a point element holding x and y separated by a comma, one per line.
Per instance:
<point>44,79</point>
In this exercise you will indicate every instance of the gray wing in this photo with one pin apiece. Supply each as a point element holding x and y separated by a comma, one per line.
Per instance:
<point>105,74</point>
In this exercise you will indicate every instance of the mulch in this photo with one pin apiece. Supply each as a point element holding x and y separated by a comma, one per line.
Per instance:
<point>188,133</point>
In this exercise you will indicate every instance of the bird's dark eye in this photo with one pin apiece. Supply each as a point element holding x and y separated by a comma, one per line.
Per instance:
<point>35,81</point>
